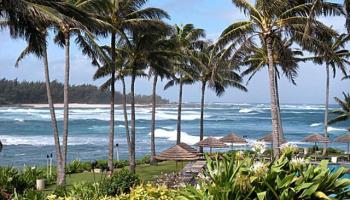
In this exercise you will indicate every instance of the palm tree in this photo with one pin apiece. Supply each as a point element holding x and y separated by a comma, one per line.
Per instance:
<point>343,114</point>
<point>124,17</point>
<point>78,22</point>
<point>224,75</point>
<point>31,23</point>
<point>335,56</point>
<point>267,21</point>
<point>187,38</point>
<point>160,59</point>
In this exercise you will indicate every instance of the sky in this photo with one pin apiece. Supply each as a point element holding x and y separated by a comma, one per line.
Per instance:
<point>213,16</point>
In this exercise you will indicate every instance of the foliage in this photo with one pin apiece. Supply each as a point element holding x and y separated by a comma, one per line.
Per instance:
<point>15,92</point>
<point>285,178</point>
<point>120,182</point>
<point>150,192</point>
<point>30,195</point>
<point>343,114</point>
<point>13,180</point>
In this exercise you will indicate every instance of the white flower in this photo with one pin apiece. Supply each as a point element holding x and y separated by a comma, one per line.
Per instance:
<point>258,168</point>
<point>289,148</point>
<point>259,147</point>
<point>298,162</point>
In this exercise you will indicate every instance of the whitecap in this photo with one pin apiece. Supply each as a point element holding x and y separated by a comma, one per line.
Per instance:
<point>316,124</point>
<point>172,135</point>
<point>332,129</point>
<point>246,110</point>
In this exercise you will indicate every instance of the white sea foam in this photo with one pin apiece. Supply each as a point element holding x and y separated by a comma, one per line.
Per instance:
<point>332,129</point>
<point>316,124</point>
<point>171,135</point>
<point>247,110</point>
<point>48,140</point>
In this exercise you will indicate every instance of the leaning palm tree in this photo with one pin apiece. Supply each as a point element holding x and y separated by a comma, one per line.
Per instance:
<point>32,23</point>
<point>124,17</point>
<point>335,57</point>
<point>224,75</point>
<point>187,38</point>
<point>343,114</point>
<point>268,20</point>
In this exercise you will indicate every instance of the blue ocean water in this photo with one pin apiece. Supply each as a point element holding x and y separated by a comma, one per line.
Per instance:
<point>27,134</point>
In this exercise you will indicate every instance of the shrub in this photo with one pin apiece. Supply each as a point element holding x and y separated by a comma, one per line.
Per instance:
<point>285,178</point>
<point>30,195</point>
<point>120,182</point>
<point>150,192</point>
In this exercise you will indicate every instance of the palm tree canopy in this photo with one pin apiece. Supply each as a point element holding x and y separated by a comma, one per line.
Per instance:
<point>343,113</point>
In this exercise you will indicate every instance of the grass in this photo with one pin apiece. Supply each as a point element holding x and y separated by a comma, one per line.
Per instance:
<point>145,172</point>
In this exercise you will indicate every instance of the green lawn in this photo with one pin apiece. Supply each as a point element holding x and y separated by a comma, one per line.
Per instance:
<point>145,172</point>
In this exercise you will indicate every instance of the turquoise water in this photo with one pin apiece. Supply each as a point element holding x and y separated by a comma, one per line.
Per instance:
<point>27,134</point>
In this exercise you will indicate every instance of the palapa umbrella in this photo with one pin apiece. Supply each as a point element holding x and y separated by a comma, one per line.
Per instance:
<point>314,138</point>
<point>344,139</point>
<point>180,152</point>
<point>269,139</point>
<point>211,142</point>
<point>188,148</point>
<point>233,138</point>
<point>177,153</point>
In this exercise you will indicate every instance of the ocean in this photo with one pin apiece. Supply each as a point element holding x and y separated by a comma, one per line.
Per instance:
<point>26,133</point>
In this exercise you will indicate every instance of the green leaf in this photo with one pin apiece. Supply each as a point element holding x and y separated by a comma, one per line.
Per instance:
<point>261,195</point>
<point>321,195</point>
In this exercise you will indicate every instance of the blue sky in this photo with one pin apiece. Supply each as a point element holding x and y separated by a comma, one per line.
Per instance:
<point>211,15</point>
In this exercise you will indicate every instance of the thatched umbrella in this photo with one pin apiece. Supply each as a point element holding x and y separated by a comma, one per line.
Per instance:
<point>344,139</point>
<point>188,148</point>
<point>233,138</point>
<point>314,138</point>
<point>269,139</point>
<point>177,153</point>
<point>211,142</point>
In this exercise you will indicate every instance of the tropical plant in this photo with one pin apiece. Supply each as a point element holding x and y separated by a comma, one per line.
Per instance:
<point>125,17</point>
<point>224,75</point>
<point>150,192</point>
<point>187,38</point>
<point>31,22</point>
<point>335,56</point>
<point>343,114</point>
<point>267,21</point>
<point>285,178</point>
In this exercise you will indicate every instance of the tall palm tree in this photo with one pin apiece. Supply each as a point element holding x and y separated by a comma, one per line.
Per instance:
<point>224,75</point>
<point>78,22</point>
<point>268,20</point>
<point>343,114</point>
<point>187,38</point>
<point>32,23</point>
<point>335,57</point>
<point>160,61</point>
<point>124,17</point>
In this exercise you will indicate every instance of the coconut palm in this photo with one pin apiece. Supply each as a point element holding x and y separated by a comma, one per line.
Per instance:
<point>187,38</point>
<point>224,75</point>
<point>343,114</point>
<point>267,21</point>
<point>78,22</point>
<point>124,17</point>
<point>161,58</point>
<point>32,23</point>
<point>335,57</point>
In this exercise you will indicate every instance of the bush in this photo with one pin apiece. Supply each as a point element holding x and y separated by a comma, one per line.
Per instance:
<point>150,192</point>
<point>120,182</point>
<point>285,178</point>
<point>30,195</point>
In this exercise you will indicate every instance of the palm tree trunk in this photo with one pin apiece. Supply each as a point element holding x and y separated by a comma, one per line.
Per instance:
<point>133,126</point>
<point>326,110</point>
<point>201,126</point>
<point>279,106</point>
<point>60,164</point>
<point>178,138</point>
<point>153,125</point>
<point>126,121</point>
<point>276,126</point>
<point>66,97</point>
<point>111,122</point>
